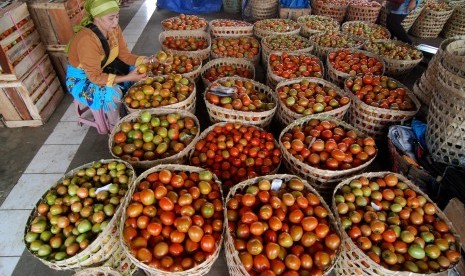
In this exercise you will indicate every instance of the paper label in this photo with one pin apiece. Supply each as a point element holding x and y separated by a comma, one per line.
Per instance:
<point>104,188</point>
<point>276,184</point>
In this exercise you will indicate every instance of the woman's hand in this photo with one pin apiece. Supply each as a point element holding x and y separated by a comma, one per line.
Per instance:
<point>149,59</point>
<point>135,76</point>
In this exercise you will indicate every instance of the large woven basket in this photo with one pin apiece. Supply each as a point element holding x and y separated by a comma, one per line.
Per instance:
<point>232,6</point>
<point>261,33</point>
<point>324,181</point>
<point>306,31</point>
<point>410,19</point>
<point>396,67</point>
<point>235,266</point>
<point>255,59</point>
<point>188,104</point>
<point>106,243</point>
<point>234,31</point>
<point>120,262</point>
<point>266,49</point>
<point>203,28</point>
<point>178,158</point>
<point>264,9</point>
<point>374,120</point>
<point>198,270</point>
<point>345,28</point>
<point>456,23</point>
<point>353,261</point>
<point>273,79</point>
<point>287,116</point>
<point>202,54</point>
<point>430,23</point>
<point>337,12</point>
<point>261,119</point>
<point>453,57</point>
<point>322,52</point>
<point>362,13</point>
<point>98,271</point>
<point>338,77</point>
<point>239,62</point>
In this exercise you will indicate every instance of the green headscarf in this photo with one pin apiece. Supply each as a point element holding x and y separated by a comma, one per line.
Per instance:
<point>96,8</point>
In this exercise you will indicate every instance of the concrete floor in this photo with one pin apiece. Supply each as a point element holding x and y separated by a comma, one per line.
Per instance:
<point>22,148</point>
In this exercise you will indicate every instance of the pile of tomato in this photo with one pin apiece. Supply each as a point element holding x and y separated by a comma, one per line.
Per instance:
<point>175,64</point>
<point>285,43</point>
<point>318,23</point>
<point>325,145</point>
<point>282,231</point>
<point>363,29</point>
<point>291,66</point>
<point>395,226</point>
<point>391,49</point>
<point>185,44</point>
<point>237,47</point>
<point>276,25</point>
<point>229,23</point>
<point>235,152</point>
<point>355,63</point>
<point>184,22</point>
<point>228,70</point>
<point>174,220</point>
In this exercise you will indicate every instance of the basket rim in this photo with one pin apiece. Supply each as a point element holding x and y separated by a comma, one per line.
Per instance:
<point>76,259</point>
<point>365,106</point>
<point>322,172</point>
<point>412,186</point>
<point>252,181</point>
<point>204,28</point>
<point>229,61</point>
<point>270,91</point>
<point>173,167</point>
<point>131,117</point>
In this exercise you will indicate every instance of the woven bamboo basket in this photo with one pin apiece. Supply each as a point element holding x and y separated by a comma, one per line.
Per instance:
<point>266,48</point>
<point>273,79</point>
<point>98,271</point>
<point>235,266</point>
<point>106,243</point>
<point>199,270</point>
<point>322,52</point>
<point>422,93</point>
<point>188,104</point>
<point>239,62</point>
<point>261,33</point>
<point>264,9</point>
<point>287,116</point>
<point>120,262</point>
<point>323,181</point>
<point>453,57</point>
<point>382,16</point>
<point>374,120</point>
<point>202,54</point>
<point>233,31</point>
<point>203,28</point>
<point>332,25</point>
<point>232,6</point>
<point>404,167</point>
<point>430,23</point>
<point>178,158</point>
<point>456,23</point>
<point>338,77</point>
<point>194,74</point>
<point>396,67</point>
<point>410,19</point>
<point>261,119</point>
<point>337,12</point>
<point>372,27</point>
<point>360,13</point>
<point>353,261</point>
<point>255,59</point>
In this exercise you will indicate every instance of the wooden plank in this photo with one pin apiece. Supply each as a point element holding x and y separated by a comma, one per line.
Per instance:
<point>43,25</point>
<point>40,71</point>
<point>52,104</point>
<point>62,25</point>
<point>16,34</point>
<point>28,61</point>
<point>13,13</point>
<point>60,63</point>
<point>45,98</point>
<point>23,46</point>
<point>16,99</point>
<point>28,123</point>
<point>7,109</point>
<point>455,212</point>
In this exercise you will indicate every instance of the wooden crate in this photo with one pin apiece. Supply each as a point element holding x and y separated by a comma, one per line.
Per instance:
<point>55,20</point>
<point>455,212</point>
<point>59,59</point>
<point>293,14</point>
<point>20,46</point>
<point>32,100</point>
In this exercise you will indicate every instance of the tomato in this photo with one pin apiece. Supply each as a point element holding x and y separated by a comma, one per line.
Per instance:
<point>207,243</point>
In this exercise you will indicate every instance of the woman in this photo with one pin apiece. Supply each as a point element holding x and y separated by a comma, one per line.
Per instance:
<point>396,14</point>
<point>97,46</point>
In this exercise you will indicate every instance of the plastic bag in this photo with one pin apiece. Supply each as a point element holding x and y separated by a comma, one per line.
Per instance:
<point>295,4</point>
<point>190,6</point>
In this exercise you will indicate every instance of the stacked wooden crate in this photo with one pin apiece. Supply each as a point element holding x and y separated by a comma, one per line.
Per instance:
<point>55,20</point>
<point>29,88</point>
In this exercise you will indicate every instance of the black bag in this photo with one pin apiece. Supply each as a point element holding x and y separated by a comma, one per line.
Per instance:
<point>117,66</point>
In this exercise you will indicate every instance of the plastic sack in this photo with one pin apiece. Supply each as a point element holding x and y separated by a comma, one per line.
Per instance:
<point>295,4</point>
<point>190,6</point>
